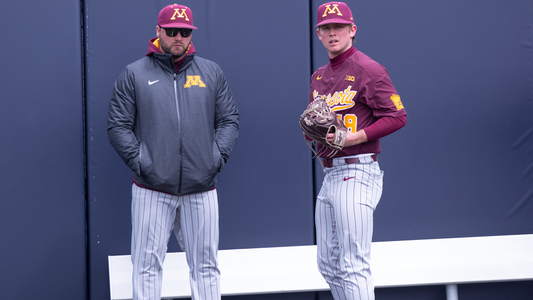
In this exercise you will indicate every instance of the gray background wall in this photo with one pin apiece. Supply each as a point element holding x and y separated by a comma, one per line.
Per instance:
<point>461,167</point>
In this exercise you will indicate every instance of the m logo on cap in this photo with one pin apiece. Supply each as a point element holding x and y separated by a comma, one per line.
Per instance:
<point>182,15</point>
<point>330,10</point>
<point>333,12</point>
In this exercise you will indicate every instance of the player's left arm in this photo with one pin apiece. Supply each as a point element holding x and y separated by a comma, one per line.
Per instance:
<point>384,126</point>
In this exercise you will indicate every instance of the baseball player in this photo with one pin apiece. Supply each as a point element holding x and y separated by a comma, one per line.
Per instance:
<point>360,92</point>
<point>173,120</point>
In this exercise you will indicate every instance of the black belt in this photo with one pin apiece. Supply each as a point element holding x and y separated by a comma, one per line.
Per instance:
<point>328,163</point>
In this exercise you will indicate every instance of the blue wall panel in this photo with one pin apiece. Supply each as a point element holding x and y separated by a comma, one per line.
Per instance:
<point>462,165</point>
<point>42,216</point>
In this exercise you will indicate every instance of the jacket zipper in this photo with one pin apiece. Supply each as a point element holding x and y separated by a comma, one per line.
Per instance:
<point>179,123</point>
<point>176,97</point>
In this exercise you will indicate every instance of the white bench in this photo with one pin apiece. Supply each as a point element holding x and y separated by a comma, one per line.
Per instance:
<point>398,263</point>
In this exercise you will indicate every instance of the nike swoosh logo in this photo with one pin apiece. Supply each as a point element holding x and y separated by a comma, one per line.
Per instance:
<point>348,178</point>
<point>319,77</point>
<point>152,82</point>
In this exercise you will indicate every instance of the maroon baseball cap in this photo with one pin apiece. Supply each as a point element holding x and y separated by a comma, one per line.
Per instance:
<point>175,16</point>
<point>334,12</point>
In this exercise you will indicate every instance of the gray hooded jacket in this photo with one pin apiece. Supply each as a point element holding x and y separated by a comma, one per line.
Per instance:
<point>174,130</point>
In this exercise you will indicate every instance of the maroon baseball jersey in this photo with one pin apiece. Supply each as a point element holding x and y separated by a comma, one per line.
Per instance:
<point>359,92</point>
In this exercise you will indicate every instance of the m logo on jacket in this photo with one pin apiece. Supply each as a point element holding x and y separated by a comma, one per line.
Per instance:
<point>193,80</point>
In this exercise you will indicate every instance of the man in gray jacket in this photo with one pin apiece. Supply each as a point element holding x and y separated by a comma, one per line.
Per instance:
<point>173,121</point>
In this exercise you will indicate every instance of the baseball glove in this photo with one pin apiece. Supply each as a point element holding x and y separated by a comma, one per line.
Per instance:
<point>317,121</point>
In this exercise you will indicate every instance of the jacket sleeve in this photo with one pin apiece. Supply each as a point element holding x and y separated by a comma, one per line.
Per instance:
<point>121,121</point>
<point>226,119</point>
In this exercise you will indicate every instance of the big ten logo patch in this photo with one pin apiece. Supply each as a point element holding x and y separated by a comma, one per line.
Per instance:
<point>193,80</point>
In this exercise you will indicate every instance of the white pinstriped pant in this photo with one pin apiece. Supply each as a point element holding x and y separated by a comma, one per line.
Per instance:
<point>194,220</point>
<point>344,224</point>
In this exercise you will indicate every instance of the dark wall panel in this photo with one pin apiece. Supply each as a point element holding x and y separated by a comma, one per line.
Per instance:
<point>280,296</point>
<point>403,293</point>
<point>265,190</point>
<point>518,290</point>
<point>42,217</point>
<point>462,165</point>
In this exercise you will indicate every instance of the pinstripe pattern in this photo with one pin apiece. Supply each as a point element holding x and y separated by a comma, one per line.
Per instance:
<point>194,220</point>
<point>344,222</point>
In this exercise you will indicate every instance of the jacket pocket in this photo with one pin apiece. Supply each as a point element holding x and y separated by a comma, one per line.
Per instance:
<point>145,161</point>
<point>217,157</point>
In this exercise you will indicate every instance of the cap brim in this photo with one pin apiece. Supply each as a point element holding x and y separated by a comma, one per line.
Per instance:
<point>177,25</point>
<point>333,21</point>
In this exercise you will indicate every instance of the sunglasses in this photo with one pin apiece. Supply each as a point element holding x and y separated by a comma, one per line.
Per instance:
<point>172,32</point>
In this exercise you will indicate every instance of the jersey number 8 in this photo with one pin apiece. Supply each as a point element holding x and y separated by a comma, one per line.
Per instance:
<point>350,121</point>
